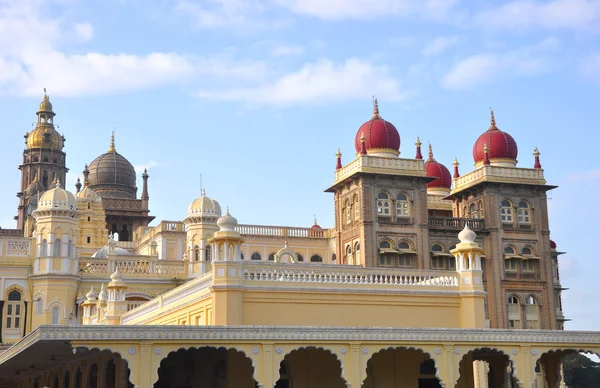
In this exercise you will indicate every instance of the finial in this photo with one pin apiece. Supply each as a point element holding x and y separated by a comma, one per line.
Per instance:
<point>430,152</point>
<point>536,153</point>
<point>418,156</point>
<point>363,146</point>
<point>145,170</point>
<point>204,192</point>
<point>112,142</point>
<point>44,90</point>
<point>58,186</point>
<point>338,163</point>
<point>227,209</point>
<point>78,185</point>
<point>315,217</point>
<point>54,179</point>
<point>486,160</point>
<point>492,121</point>
<point>338,153</point>
<point>375,107</point>
<point>455,164</point>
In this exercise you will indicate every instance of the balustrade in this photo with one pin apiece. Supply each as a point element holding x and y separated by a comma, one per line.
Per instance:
<point>280,231</point>
<point>132,267</point>
<point>456,223</point>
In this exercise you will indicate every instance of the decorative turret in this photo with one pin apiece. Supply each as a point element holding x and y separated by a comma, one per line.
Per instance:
<point>455,164</point>
<point>89,307</point>
<point>78,186</point>
<point>145,195</point>
<point>91,226</point>
<point>227,241</point>
<point>536,154</point>
<point>115,303</point>
<point>418,144</point>
<point>381,138</point>
<point>338,163</point>
<point>486,155</point>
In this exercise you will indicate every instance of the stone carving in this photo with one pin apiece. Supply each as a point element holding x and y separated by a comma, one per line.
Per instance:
<point>17,247</point>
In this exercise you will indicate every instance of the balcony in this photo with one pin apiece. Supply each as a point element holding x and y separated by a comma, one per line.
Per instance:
<point>133,268</point>
<point>520,275</point>
<point>456,224</point>
<point>281,231</point>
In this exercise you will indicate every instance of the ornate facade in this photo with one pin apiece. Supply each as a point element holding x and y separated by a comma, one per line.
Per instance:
<point>455,267</point>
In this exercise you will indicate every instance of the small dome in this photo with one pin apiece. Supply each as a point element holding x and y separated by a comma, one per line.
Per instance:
<point>204,207</point>
<point>45,105</point>
<point>44,135</point>
<point>111,175</point>
<point>552,244</point>
<point>381,137</point>
<point>102,295</point>
<point>502,147</point>
<point>437,170</point>
<point>467,235</point>
<point>227,222</point>
<point>116,276</point>
<point>34,188</point>
<point>91,295</point>
<point>57,199</point>
<point>87,195</point>
<point>103,252</point>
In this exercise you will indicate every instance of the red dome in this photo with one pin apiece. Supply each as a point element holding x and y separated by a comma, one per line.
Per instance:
<point>439,171</point>
<point>552,245</point>
<point>502,147</point>
<point>380,135</point>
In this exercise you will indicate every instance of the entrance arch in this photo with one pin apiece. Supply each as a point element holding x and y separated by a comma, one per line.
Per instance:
<point>487,364</point>
<point>401,367</point>
<point>206,367</point>
<point>570,364</point>
<point>310,367</point>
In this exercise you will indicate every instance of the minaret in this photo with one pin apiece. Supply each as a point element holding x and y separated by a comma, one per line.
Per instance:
<point>145,196</point>
<point>43,160</point>
<point>115,303</point>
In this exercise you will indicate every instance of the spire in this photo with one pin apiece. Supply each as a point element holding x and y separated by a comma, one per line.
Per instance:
<point>338,164</point>
<point>492,121</point>
<point>536,153</point>
<point>112,143</point>
<point>86,176</point>
<point>430,153</point>
<point>78,185</point>
<point>419,156</point>
<point>486,150</point>
<point>455,164</point>
<point>145,185</point>
<point>375,108</point>
<point>204,192</point>
<point>58,186</point>
<point>363,146</point>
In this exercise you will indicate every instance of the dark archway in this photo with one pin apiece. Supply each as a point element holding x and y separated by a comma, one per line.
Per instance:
<point>498,366</point>
<point>206,367</point>
<point>309,368</point>
<point>574,365</point>
<point>399,367</point>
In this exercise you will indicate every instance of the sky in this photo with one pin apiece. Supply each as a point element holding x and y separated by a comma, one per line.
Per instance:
<point>256,96</point>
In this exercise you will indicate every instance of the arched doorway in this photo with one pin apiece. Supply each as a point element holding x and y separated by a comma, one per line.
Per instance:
<point>578,368</point>
<point>486,365</point>
<point>310,368</point>
<point>401,367</point>
<point>206,367</point>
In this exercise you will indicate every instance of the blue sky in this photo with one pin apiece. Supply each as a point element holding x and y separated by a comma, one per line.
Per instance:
<point>257,95</point>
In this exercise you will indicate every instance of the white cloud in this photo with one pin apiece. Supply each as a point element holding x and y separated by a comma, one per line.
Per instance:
<point>585,176</point>
<point>529,14</point>
<point>285,50</point>
<point>140,168</point>
<point>440,44</point>
<point>83,31</point>
<point>316,83</point>
<point>483,68</point>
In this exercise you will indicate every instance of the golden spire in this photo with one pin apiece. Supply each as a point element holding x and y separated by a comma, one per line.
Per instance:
<point>492,121</point>
<point>485,148</point>
<point>112,143</point>
<point>362,137</point>
<point>536,152</point>
<point>455,163</point>
<point>375,107</point>
<point>339,153</point>
<point>418,143</point>
<point>430,152</point>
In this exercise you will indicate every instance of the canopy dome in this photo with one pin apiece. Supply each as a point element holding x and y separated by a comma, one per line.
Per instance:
<point>57,199</point>
<point>204,207</point>
<point>380,136</point>
<point>437,170</point>
<point>44,135</point>
<point>112,175</point>
<point>502,148</point>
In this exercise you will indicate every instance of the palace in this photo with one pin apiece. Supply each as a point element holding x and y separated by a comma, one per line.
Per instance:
<point>426,279</point>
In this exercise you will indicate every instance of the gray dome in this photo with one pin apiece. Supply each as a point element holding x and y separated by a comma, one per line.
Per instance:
<point>112,176</point>
<point>103,252</point>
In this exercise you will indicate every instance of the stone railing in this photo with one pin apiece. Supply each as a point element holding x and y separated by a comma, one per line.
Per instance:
<point>281,231</point>
<point>380,164</point>
<point>129,245</point>
<point>453,223</point>
<point>502,174</point>
<point>11,232</point>
<point>132,267</point>
<point>170,226</point>
<point>345,275</point>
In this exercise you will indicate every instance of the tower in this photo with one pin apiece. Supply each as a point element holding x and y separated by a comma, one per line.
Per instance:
<point>201,225</point>
<point>44,161</point>
<point>91,226</point>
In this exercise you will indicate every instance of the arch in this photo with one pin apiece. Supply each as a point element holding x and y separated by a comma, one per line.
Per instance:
<point>333,257</point>
<point>553,366</point>
<point>70,249</point>
<point>256,256</point>
<point>56,315</point>
<point>498,361</point>
<point>316,259</point>
<point>510,250</point>
<point>405,244</point>
<point>437,247</point>
<point>402,205</point>
<point>271,256</point>
<point>307,362</point>
<point>383,204</point>
<point>348,208</point>
<point>524,212</point>
<point>386,244</point>
<point>208,364</point>
<point>44,252</point>
<point>473,212</point>
<point>288,253</point>
<point>513,307</point>
<point>527,250</point>
<point>57,248</point>
<point>506,211</point>
<point>378,361</point>
<point>196,253</point>
<point>299,257</point>
<point>356,208</point>
<point>115,356</point>
<point>207,251</point>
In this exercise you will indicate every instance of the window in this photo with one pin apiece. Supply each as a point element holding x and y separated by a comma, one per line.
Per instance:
<point>300,257</point>
<point>255,256</point>
<point>56,315</point>
<point>272,257</point>
<point>44,248</point>
<point>527,251</point>
<point>531,313</point>
<point>348,211</point>
<point>13,310</point>
<point>514,312</point>
<point>465,212</point>
<point>70,249</point>
<point>437,248</point>
<point>316,259</point>
<point>506,211</point>
<point>437,262</point>
<point>207,256</point>
<point>385,244</point>
<point>473,213</point>
<point>383,204</point>
<point>528,265</point>
<point>356,208</point>
<point>57,247</point>
<point>509,250</point>
<point>480,209</point>
<point>511,265</point>
<point>403,245</point>
<point>242,256</point>
<point>357,247</point>
<point>386,259</point>
<point>402,205</point>
<point>196,253</point>
<point>39,306</point>
<point>524,213</point>
<point>89,207</point>
<point>333,257</point>
<point>404,261</point>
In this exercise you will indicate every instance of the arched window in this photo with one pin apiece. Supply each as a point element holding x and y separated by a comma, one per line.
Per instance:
<point>480,207</point>
<point>348,211</point>
<point>44,248</point>
<point>514,312</point>
<point>255,256</point>
<point>348,259</point>
<point>39,306</point>
<point>437,248</point>
<point>531,313</point>
<point>13,310</point>
<point>208,251</point>
<point>356,208</point>
<point>57,247</point>
<point>316,259</point>
<point>509,250</point>
<point>272,257</point>
<point>383,204</point>
<point>196,253</point>
<point>300,257</point>
<point>70,249</point>
<point>465,212</point>
<point>333,257</point>
<point>56,315</point>
<point>506,211</point>
<point>385,244</point>
<point>243,257</point>
<point>527,251</point>
<point>473,212</point>
<point>402,205</point>
<point>403,245</point>
<point>524,213</point>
